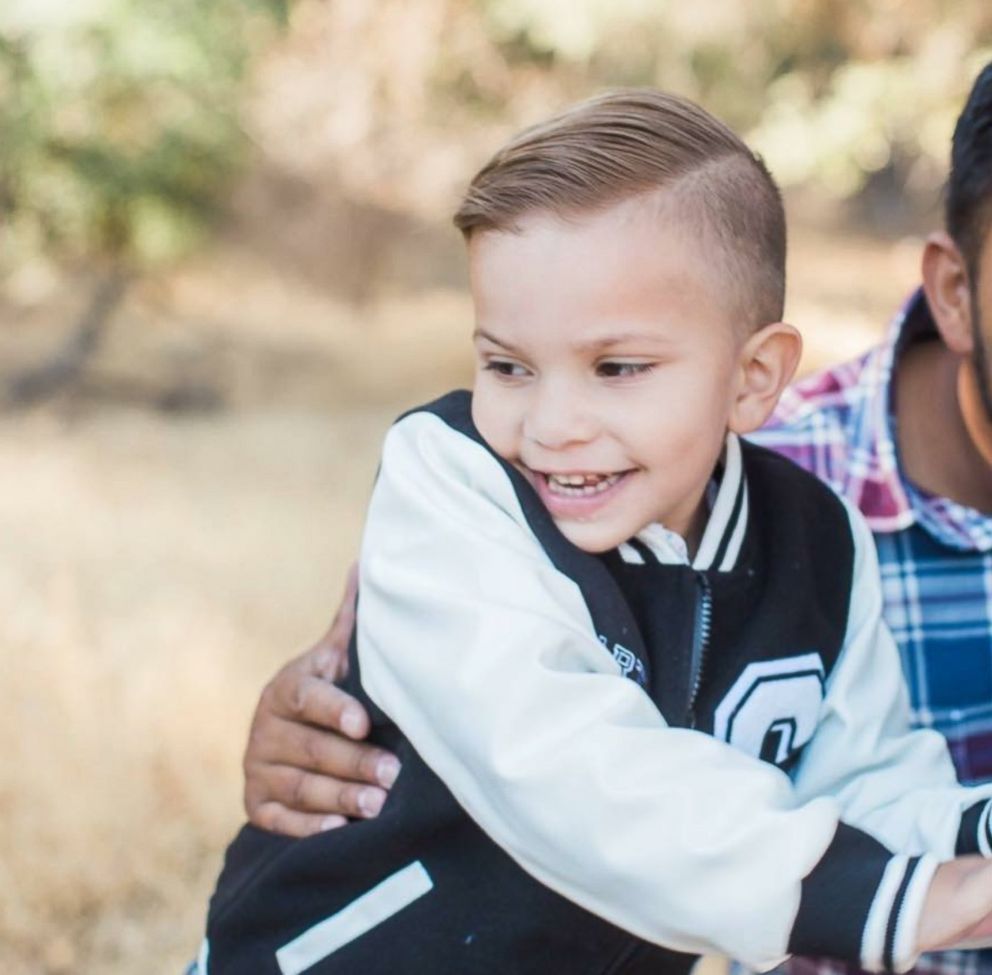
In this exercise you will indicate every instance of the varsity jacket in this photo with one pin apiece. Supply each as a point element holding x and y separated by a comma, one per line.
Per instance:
<point>610,763</point>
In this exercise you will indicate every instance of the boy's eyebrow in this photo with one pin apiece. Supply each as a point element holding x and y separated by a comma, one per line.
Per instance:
<point>481,333</point>
<point>621,338</point>
<point>595,345</point>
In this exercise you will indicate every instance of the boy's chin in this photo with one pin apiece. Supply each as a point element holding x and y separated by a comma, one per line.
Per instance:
<point>591,537</point>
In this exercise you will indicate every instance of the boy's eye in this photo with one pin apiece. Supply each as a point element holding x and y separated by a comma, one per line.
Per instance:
<point>504,367</point>
<point>620,370</point>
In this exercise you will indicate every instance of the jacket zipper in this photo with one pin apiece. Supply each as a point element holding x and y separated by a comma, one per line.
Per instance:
<point>700,642</point>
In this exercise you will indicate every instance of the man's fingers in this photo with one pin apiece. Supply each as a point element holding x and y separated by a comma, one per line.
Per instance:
<point>277,818</point>
<point>325,659</point>
<point>279,742</point>
<point>307,792</point>
<point>304,698</point>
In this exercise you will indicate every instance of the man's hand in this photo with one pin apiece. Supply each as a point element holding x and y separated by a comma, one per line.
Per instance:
<point>302,773</point>
<point>958,907</point>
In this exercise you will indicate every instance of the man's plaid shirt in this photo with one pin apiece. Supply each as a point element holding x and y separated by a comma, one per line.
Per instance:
<point>935,558</point>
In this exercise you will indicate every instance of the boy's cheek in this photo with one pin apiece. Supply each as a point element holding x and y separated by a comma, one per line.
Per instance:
<point>495,424</point>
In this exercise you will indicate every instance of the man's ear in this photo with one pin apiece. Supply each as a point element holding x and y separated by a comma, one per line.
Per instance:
<point>946,283</point>
<point>767,363</point>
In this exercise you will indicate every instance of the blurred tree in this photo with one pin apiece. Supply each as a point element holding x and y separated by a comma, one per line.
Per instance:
<point>412,94</point>
<point>119,132</point>
<point>121,120</point>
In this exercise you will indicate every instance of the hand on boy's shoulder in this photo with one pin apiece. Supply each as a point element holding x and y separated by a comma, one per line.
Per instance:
<point>958,907</point>
<point>305,766</point>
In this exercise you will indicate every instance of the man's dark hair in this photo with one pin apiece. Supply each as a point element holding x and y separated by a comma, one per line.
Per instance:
<point>968,203</point>
<point>630,142</point>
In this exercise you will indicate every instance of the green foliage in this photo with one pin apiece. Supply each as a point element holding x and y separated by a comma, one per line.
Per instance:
<point>120,130</point>
<point>830,91</point>
<point>118,122</point>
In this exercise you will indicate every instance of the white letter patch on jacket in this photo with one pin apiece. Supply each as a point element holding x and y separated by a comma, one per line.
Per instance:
<point>773,708</point>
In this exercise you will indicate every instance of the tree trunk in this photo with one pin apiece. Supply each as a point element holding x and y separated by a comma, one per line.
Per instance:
<point>64,368</point>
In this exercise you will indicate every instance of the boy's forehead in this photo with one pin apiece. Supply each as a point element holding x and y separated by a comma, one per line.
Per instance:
<point>590,278</point>
<point>638,253</point>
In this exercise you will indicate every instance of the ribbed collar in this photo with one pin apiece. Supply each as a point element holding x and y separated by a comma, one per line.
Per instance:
<point>723,536</point>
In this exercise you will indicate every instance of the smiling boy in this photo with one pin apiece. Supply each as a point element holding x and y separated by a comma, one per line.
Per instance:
<point>611,369</point>
<point>633,668</point>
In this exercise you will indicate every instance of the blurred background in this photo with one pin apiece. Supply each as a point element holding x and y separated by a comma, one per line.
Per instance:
<point>226,264</point>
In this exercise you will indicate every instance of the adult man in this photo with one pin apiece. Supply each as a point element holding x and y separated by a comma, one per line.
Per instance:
<point>905,433</point>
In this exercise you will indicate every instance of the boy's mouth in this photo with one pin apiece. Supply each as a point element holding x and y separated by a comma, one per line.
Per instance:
<point>580,485</point>
<point>575,495</point>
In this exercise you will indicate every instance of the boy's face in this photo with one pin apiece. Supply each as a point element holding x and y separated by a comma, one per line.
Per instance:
<point>607,366</point>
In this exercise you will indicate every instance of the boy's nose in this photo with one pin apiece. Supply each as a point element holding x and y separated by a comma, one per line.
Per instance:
<point>558,417</point>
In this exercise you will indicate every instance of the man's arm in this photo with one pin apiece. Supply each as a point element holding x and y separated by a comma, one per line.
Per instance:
<point>305,765</point>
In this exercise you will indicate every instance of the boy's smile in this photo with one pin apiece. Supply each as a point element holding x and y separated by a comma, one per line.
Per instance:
<point>577,494</point>
<point>607,365</point>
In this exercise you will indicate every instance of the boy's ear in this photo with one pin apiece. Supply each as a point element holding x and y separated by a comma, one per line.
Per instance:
<point>767,363</point>
<point>946,284</point>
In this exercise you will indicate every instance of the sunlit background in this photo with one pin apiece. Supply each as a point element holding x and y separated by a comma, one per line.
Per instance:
<point>226,265</point>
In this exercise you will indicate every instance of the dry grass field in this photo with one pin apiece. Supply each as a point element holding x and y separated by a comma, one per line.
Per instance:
<point>157,566</point>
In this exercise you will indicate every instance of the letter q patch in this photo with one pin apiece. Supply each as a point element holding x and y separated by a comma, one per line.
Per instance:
<point>773,708</point>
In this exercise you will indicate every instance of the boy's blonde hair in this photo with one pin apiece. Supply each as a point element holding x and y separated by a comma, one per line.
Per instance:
<point>630,142</point>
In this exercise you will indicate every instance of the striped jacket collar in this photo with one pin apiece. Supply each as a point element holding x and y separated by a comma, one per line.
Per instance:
<point>723,536</point>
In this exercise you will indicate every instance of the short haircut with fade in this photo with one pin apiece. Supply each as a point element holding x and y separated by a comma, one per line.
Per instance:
<point>968,201</point>
<point>630,142</point>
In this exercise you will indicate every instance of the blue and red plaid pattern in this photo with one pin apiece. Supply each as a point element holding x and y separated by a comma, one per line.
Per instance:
<point>935,558</point>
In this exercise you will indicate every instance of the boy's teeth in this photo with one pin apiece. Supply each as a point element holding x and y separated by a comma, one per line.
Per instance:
<point>577,485</point>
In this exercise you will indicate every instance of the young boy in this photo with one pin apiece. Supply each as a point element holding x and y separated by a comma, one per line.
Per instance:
<point>634,668</point>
